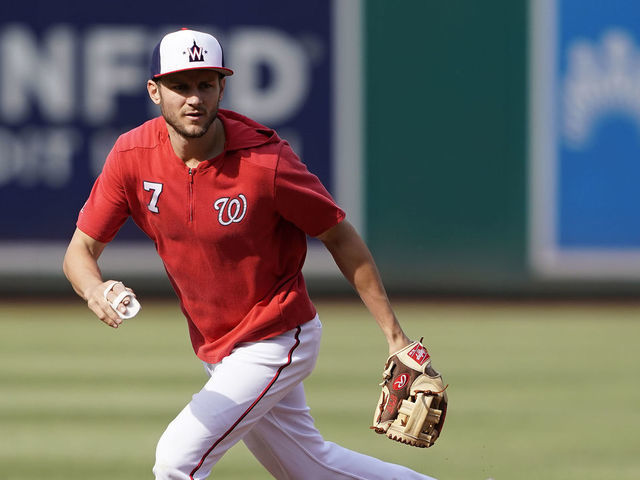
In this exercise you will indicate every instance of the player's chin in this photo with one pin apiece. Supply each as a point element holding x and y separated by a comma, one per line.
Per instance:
<point>193,131</point>
<point>195,127</point>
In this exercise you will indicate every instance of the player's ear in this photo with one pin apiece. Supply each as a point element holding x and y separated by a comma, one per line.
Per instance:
<point>153,88</point>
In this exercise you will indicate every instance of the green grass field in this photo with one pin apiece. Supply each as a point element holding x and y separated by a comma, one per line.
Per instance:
<point>547,391</point>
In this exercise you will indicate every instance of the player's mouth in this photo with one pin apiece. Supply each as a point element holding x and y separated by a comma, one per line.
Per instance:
<point>194,115</point>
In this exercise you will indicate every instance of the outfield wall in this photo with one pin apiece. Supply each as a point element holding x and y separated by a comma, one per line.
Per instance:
<point>503,145</point>
<point>481,147</point>
<point>445,143</point>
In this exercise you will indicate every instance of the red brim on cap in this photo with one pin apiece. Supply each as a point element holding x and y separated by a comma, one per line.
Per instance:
<point>225,71</point>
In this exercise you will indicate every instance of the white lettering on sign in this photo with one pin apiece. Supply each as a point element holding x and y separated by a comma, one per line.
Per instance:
<point>74,80</point>
<point>250,50</point>
<point>40,73</point>
<point>44,72</point>
<point>35,157</point>
<point>116,62</point>
<point>602,79</point>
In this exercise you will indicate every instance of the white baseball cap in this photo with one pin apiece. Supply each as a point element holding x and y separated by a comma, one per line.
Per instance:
<point>187,50</point>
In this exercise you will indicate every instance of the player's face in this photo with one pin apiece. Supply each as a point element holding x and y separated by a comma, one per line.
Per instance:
<point>189,100</point>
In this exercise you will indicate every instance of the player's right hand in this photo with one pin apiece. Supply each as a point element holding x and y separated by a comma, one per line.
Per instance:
<point>100,304</point>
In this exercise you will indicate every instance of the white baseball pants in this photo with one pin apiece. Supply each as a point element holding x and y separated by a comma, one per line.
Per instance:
<point>256,395</point>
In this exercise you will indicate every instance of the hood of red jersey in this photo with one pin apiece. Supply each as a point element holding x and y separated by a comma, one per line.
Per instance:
<point>247,133</point>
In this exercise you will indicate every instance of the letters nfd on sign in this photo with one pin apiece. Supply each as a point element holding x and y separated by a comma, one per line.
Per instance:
<point>60,89</point>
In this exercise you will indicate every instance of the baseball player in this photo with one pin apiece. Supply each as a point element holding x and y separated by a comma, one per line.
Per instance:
<point>228,205</point>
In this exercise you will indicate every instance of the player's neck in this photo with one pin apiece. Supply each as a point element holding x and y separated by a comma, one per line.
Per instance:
<point>193,151</point>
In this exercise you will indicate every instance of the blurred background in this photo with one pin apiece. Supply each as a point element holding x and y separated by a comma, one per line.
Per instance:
<point>480,147</point>
<point>488,152</point>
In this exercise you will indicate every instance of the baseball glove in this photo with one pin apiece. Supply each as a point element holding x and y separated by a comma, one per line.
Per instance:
<point>413,401</point>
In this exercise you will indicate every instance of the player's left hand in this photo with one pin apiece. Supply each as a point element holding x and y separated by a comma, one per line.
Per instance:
<point>413,402</point>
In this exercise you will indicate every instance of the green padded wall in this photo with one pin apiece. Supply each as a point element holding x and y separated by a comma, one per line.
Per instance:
<point>445,143</point>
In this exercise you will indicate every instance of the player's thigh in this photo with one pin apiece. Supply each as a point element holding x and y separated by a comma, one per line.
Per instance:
<point>242,388</point>
<point>285,435</point>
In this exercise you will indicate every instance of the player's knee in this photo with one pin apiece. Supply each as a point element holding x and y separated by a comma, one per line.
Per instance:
<point>164,471</point>
<point>169,465</point>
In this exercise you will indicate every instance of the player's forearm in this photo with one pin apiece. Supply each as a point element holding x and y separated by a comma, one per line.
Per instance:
<point>367,282</point>
<point>81,269</point>
<point>81,263</point>
<point>356,263</point>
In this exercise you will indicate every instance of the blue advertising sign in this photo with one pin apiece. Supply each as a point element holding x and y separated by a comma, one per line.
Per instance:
<point>73,77</point>
<point>585,138</point>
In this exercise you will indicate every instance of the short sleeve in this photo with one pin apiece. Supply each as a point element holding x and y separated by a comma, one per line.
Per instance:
<point>301,198</point>
<point>107,208</point>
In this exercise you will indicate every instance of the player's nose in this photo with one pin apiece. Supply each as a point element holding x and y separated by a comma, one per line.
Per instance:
<point>194,98</point>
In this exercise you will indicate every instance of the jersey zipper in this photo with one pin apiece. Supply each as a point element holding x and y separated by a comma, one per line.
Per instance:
<point>190,195</point>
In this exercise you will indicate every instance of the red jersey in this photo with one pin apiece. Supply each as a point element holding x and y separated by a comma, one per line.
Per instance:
<point>231,232</point>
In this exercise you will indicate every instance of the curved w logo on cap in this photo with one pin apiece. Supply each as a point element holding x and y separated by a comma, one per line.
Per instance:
<point>196,53</point>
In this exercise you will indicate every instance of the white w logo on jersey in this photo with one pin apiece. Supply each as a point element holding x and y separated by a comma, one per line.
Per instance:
<point>231,210</point>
